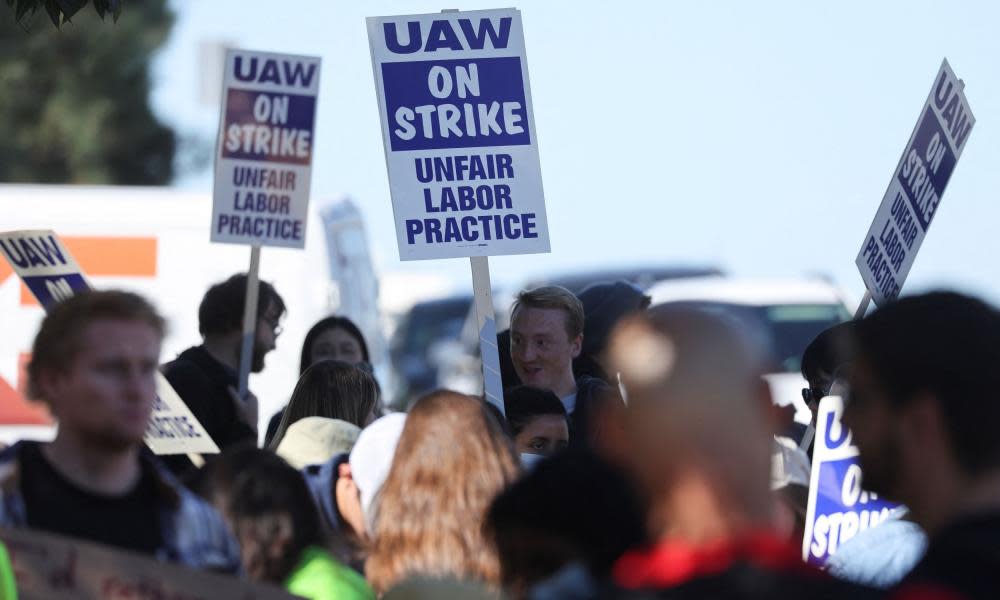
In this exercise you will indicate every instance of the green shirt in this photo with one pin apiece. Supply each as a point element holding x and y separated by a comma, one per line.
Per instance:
<point>319,576</point>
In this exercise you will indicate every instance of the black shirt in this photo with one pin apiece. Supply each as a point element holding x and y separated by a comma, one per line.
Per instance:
<point>55,504</point>
<point>203,384</point>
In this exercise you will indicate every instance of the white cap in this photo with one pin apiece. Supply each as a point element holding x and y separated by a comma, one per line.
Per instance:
<point>315,440</point>
<point>371,458</point>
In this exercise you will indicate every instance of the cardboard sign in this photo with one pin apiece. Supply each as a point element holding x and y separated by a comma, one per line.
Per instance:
<point>915,191</point>
<point>458,128</point>
<point>48,269</point>
<point>838,507</point>
<point>51,567</point>
<point>263,165</point>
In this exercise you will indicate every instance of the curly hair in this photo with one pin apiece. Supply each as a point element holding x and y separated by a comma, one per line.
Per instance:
<point>453,458</point>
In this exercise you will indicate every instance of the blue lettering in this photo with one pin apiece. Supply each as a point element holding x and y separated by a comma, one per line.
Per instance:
<point>392,39</point>
<point>19,260</point>
<point>413,228</point>
<point>238,69</point>
<point>941,98</point>
<point>297,71</point>
<point>269,73</point>
<point>49,251</point>
<point>442,35</point>
<point>476,39</point>
<point>828,430</point>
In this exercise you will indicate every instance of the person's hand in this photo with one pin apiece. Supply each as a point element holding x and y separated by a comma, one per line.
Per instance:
<point>247,409</point>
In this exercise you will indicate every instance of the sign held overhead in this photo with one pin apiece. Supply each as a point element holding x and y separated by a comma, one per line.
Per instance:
<point>459,134</point>
<point>263,164</point>
<point>915,191</point>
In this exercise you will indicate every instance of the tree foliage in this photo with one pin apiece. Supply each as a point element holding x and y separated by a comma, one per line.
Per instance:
<point>75,107</point>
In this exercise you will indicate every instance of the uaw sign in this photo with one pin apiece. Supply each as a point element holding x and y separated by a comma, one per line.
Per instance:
<point>52,274</point>
<point>265,149</point>
<point>839,507</point>
<point>459,134</point>
<point>915,191</point>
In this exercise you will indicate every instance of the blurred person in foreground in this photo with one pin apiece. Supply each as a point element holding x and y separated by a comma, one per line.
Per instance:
<point>94,365</point>
<point>604,305</point>
<point>699,426</point>
<point>206,376</point>
<point>267,505</point>
<point>924,412</point>
<point>546,335</point>
<point>345,487</point>
<point>329,396</point>
<point>537,422</point>
<point>331,338</point>
<point>452,459</point>
<point>572,509</point>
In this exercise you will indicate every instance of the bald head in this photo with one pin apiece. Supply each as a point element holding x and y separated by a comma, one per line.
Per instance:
<point>697,403</point>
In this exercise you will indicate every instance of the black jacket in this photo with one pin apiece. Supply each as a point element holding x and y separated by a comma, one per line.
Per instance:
<point>592,394</point>
<point>962,562</point>
<point>203,384</point>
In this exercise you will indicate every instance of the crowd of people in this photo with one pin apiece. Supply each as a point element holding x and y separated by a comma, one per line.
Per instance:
<point>638,454</point>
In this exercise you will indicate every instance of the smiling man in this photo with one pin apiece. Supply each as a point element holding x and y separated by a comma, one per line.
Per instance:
<point>94,364</point>
<point>546,334</point>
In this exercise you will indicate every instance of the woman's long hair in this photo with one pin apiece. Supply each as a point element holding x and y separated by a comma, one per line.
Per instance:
<point>453,458</point>
<point>331,389</point>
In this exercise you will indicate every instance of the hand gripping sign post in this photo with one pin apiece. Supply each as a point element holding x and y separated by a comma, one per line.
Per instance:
<point>461,147</point>
<point>48,269</point>
<point>838,508</point>
<point>915,190</point>
<point>263,165</point>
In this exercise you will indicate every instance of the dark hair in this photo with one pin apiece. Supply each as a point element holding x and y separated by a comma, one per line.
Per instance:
<point>524,403</point>
<point>331,322</point>
<point>571,507</point>
<point>255,487</point>
<point>221,309</point>
<point>58,340</point>
<point>948,345</point>
<point>331,389</point>
<point>827,352</point>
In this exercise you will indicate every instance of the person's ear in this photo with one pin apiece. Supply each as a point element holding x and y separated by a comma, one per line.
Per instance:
<point>577,345</point>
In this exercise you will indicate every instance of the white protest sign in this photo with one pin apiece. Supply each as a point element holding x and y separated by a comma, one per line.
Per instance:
<point>48,269</point>
<point>915,190</point>
<point>263,164</point>
<point>51,567</point>
<point>458,128</point>
<point>838,507</point>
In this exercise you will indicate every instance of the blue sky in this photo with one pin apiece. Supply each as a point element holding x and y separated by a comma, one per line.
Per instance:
<point>757,136</point>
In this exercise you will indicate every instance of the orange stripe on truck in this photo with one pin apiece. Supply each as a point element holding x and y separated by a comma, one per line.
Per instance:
<point>105,256</point>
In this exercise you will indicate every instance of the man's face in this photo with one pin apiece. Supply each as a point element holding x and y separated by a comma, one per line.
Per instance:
<point>268,330</point>
<point>540,348</point>
<point>875,432</point>
<point>105,395</point>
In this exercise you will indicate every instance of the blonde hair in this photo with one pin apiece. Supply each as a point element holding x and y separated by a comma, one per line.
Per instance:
<point>553,296</point>
<point>453,458</point>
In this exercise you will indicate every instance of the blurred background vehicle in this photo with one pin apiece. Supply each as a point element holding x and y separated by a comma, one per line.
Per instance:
<point>420,332</point>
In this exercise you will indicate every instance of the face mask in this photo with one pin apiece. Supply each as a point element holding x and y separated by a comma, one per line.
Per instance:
<point>528,461</point>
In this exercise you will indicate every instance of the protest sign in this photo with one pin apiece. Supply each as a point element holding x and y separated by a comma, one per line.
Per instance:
<point>51,273</point>
<point>915,191</point>
<point>458,128</point>
<point>838,506</point>
<point>51,567</point>
<point>263,163</point>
